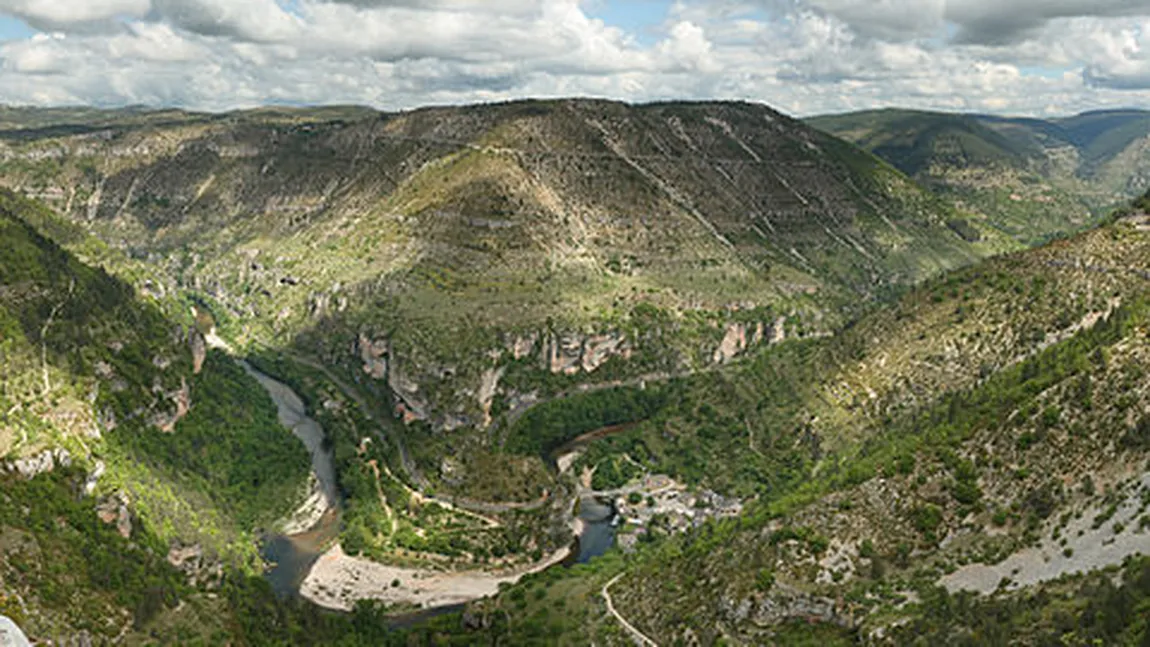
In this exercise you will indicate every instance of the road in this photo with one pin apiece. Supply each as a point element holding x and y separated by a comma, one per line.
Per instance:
<point>640,638</point>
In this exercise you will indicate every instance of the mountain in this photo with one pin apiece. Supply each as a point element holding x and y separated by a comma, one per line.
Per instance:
<point>1030,177</point>
<point>975,469</point>
<point>813,392</point>
<point>420,245</point>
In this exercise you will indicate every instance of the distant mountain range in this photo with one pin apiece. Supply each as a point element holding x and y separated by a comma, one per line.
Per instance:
<point>1030,177</point>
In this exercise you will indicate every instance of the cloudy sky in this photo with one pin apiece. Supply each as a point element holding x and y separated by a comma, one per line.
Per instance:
<point>1037,57</point>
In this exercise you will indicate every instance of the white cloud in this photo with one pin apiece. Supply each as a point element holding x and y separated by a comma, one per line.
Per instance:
<point>55,14</point>
<point>800,55</point>
<point>248,20</point>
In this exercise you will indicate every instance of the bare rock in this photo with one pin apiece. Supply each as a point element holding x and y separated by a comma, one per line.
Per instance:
<point>199,350</point>
<point>11,635</point>
<point>779,331</point>
<point>572,353</point>
<point>187,559</point>
<point>488,384</point>
<point>181,399</point>
<point>784,603</point>
<point>734,343</point>
<point>522,347</point>
<point>42,463</point>
<point>564,353</point>
<point>412,406</point>
<point>93,477</point>
<point>600,348</point>
<point>374,355</point>
<point>114,510</point>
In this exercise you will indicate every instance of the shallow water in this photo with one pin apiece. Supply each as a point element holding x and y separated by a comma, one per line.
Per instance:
<point>598,531</point>
<point>292,557</point>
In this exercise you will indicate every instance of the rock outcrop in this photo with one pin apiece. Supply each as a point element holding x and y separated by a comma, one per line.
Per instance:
<point>573,353</point>
<point>488,385</point>
<point>11,635</point>
<point>199,349</point>
<point>42,463</point>
<point>734,343</point>
<point>374,355</point>
<point>414,382</point>
<point>181,400</point>
<point>114,510</point>
<point>741,337</point>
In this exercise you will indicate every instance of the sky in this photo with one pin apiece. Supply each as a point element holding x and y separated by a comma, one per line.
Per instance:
<point>1020,57</point>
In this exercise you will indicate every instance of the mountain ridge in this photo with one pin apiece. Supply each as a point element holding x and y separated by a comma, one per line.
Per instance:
<point>450,218</point>
<point>809,387</point>
<point>1033,178</point>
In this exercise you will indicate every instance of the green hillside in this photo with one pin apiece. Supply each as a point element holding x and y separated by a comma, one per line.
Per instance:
<point>99,396</point>
<point>1032,178</point>
<point>987,433</point>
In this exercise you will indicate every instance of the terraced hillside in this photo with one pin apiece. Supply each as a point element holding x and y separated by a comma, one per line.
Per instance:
<point>529,230</point>
<point>1032,178</point>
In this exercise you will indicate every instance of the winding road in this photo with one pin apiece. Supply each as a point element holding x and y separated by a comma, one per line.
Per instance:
<point>640,638</point>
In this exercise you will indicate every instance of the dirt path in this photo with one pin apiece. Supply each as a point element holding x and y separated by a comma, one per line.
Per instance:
<point>639,637</point>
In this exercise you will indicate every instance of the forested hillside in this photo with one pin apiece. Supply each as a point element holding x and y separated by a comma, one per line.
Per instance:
<point>103,397</point>
<point>968,466</point>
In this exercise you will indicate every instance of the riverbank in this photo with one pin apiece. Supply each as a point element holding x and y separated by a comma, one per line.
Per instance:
<point>337,581</point>
<point>311,562</point>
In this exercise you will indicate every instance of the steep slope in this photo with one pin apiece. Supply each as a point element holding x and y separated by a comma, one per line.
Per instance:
<point>120,440</point>
<point>1033,178</point>
<point>445,234</point>
<point>987,434</point>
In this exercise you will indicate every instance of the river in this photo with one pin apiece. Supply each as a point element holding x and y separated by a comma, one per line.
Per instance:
<point>294,554</point>
<point>598,535</point>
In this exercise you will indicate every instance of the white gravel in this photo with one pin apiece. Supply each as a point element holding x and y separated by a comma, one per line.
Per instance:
<point>1094,549</point>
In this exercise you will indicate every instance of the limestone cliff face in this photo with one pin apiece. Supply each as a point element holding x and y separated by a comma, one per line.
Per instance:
<point>199,350</point>
<point>488,386</point>
<point>740,337</point>
<point>574,353</point>
<point>462,393</point>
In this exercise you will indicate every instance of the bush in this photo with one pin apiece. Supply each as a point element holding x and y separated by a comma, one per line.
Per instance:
<point>765,580</point>
<point>926,519</point>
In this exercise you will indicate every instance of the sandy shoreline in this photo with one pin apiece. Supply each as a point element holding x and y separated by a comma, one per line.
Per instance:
<point>338,581</point>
